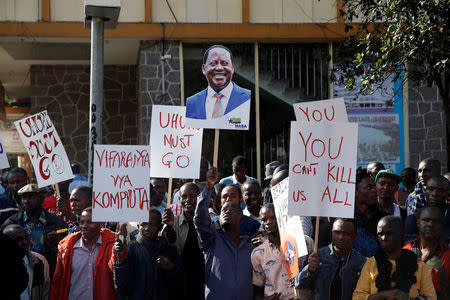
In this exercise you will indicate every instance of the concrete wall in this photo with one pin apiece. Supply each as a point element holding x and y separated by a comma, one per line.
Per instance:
<point>150,88</point>
<point>427,132</point>
<point>185,11</point>
<point>64,93</point>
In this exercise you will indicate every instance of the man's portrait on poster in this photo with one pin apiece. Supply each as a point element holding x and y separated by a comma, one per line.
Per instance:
<point>222,95</point>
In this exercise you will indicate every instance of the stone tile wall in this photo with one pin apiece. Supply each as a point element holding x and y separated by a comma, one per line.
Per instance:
<point>150,87</point>
<point>64,93</point>
<point>427,126</point>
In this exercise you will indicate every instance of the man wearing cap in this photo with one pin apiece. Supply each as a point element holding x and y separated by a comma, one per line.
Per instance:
<point>39,223</point>
<point>386,183</point>
<point>270,168</point>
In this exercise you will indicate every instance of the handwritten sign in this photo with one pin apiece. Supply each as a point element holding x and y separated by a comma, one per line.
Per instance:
<point>121,191</point>
<point>176,149</point>
<point>322,169</point>
<point>293,243</point>
<point>330,110</point>
<point>4,163</point>
<point>45,149</point>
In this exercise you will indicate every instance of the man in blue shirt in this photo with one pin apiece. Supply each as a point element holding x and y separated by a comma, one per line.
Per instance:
<point>227,254</point>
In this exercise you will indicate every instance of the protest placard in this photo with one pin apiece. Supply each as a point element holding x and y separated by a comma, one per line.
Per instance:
<point>293,243</point>
<point>322,169</point>
<point>4,163</point>
<point>121,187</point>
<point>176,148</point>
<point>330,110</point>
<point>45,149</point>
<point>223,104</point>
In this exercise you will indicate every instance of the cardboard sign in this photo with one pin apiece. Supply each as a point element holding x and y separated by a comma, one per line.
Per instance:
<point>236,119</point>
<point>121,191</point>
<point>322,169</point>
<point>176,148</point>
<point>293,243</point>
<point>45,149</point>
<point>4,163</point>
<point>328,111</point>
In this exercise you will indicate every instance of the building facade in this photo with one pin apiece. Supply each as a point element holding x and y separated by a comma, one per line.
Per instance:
<point>282,52</point>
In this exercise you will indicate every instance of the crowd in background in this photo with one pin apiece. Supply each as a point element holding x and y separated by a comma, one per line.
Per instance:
<point>219,239</point>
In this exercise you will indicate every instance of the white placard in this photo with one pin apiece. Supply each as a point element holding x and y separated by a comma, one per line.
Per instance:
<point>45,149</point>
<point>322,169</point>
<point>121,191</point>
<point>291,225</point>
<point>4,163</point>
<point>330,110</point>
<point>176,149</point>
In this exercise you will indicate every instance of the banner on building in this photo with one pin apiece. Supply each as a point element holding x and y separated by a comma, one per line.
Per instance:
<point>45,149</point>
<point>380,116</point>
<point>4,163</point>
<point>176,148</point>
<point>121,191</point>
<point>322,169</point>
<point>293,243</point>
<point>329,110</point>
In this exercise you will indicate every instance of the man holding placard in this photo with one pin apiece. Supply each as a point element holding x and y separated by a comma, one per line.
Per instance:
<point>227,254</point>
<point>270,277</point>
<point>332,272</point>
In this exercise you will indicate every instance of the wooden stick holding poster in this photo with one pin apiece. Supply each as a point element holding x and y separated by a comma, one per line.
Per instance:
<point>316,235</point>
<point>216,147</point>
<point>45,149</point>
<point>169,192</point>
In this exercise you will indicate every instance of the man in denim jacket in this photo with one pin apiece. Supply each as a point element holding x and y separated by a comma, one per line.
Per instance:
<point>332,272</point>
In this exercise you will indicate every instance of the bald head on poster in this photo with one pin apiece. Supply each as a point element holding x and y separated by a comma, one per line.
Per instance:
<point>223,104</point>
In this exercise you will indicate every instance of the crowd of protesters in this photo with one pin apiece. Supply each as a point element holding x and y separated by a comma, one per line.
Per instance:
<point>220,240</point>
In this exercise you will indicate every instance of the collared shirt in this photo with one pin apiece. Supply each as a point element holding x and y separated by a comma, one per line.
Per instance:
<point>83,265</point>
<point>181,228</point>
<point>35,231</point>
<point>416,200</point>
<point>211,100</point>
<point>269,272</point>
<point>233,180</point>
<point>26,293</point>
<point>438,263</point>
<point>228,268</point>
<point>248,214</point>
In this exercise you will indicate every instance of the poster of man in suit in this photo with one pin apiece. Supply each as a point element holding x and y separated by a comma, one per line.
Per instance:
<point>223,104</point>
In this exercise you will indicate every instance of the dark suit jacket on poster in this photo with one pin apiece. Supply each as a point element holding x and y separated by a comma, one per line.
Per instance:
<point>195,106</point>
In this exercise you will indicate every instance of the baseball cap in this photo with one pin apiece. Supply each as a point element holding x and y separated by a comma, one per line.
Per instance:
<point>390,173</point>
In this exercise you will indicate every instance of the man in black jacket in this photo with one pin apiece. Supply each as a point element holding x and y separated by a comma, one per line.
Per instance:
<point>41,225</point>
<point>149,266</point>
